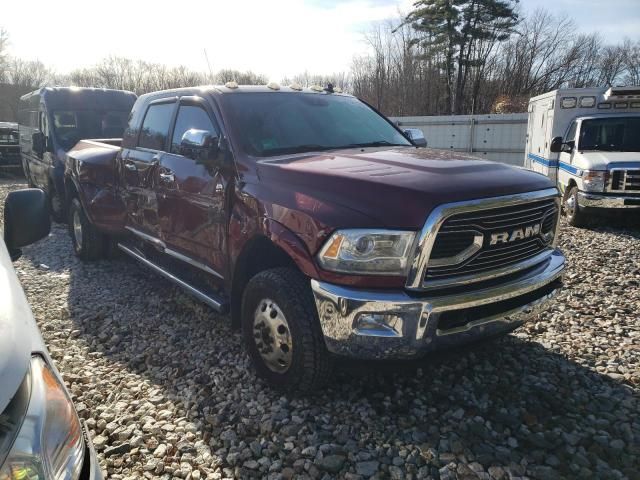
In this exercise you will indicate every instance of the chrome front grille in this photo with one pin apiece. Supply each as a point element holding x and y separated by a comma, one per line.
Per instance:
<point>468,242</point>
<point>625,180</point>
<point>498,221</point>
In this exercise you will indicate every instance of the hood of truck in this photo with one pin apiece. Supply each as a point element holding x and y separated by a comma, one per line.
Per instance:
<point>600,160</point>
<point>397,187</point>
<point>19,334</point>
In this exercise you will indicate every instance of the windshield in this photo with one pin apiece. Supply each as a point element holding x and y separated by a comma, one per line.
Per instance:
<point>70,126</point>
<point>620,134</point>
<point>279,123</point>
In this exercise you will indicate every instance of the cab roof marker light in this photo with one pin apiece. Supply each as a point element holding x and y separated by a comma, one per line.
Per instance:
<point>316,88</point>
<point>635,104</point>
<point>296,86</point>
<point>231,85</point>
<point>273,86</point>
<point>587,102</point>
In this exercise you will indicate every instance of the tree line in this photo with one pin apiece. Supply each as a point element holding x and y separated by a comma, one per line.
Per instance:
<point>443,57</point>
<point>429,63</point>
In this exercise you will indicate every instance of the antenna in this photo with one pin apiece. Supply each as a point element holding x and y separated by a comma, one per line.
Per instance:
<point>206,57</point>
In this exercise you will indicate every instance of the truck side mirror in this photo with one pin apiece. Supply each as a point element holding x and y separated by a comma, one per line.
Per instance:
<point>201,145</point>
<point>38,142</point>
<point>556,145</point>
<point>26,219</point>
<point>416,136</point>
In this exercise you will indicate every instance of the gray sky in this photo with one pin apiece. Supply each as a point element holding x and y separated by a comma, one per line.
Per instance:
<point>278,38</point>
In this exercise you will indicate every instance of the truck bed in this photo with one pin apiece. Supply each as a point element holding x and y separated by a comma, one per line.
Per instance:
<point>90,170</point>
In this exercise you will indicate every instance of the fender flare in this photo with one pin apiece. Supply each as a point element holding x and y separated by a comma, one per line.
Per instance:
<point>291,244</point>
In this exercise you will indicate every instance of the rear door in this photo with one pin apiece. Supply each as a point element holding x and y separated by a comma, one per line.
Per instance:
<point>191,194</point>
<point>38,161</point>
<point>138,166</point>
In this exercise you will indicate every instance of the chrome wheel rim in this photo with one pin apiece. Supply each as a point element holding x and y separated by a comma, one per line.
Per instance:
<point>77,228</point>
<point>272,336</point>
<point>570,205</point>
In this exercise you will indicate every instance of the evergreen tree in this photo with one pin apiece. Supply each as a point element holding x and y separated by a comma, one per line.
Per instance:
<point>457,31</point>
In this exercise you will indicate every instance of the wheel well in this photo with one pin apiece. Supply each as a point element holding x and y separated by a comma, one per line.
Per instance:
<point>258,255</point>
<point>572,183</point>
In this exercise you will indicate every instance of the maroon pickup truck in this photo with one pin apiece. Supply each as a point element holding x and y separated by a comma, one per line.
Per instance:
<point>318,224</point>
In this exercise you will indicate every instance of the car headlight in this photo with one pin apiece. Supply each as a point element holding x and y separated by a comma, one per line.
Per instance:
<point>368,252</point>
<point>47,439</point>
<point>594,181</point>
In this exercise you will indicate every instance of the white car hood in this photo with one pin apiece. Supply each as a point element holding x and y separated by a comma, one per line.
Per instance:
<point>603,160</point>
<point>19,334</point>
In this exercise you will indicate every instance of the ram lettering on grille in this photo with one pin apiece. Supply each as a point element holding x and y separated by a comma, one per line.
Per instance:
<point>517,234</point>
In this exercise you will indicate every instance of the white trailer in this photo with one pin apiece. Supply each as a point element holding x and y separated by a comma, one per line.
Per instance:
<point>588,141</point>
<point>497,137</point>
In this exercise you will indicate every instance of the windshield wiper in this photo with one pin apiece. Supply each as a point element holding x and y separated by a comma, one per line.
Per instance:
<point>309,147</point>
<point>604,148</point>
<point>377,143</point>
<point>312,147</point>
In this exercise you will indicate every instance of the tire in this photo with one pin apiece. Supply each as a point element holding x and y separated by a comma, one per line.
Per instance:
<point>56,205</point>
<point>575,215</point>
<point>88,243</point>
<point>305,364</point>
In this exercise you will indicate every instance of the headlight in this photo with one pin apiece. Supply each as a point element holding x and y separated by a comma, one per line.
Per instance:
<point>49,443</point>
<point>368,252</point>
<point>594,181</point>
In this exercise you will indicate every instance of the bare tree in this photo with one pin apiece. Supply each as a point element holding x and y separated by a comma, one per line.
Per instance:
<point>632,62</point>
<point>28,73</point>
<point>4,56</point>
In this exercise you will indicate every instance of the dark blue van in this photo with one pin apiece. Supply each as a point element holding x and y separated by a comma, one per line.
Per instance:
<point>53,119</point>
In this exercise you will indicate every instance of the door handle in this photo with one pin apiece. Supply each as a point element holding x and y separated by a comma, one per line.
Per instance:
<point>129,165</point>
<point>167,177</point>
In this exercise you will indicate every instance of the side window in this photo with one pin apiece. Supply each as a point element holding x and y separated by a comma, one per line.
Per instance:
<point>155,126</point>
<point>190,116</point>
<point>571,133</point>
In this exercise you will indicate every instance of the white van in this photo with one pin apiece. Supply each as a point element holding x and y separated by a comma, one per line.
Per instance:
<point>588,141</point>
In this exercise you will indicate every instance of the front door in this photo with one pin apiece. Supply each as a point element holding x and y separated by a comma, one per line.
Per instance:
<point>191,194</point>
<point>138,165</point>
<point>566,170</point>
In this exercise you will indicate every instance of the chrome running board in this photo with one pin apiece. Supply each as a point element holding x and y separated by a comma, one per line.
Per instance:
<point>210,299</point>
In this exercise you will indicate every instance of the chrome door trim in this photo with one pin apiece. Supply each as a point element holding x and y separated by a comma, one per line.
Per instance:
<point>163,247</point>
<point>148,238</point>
<point>192,262</point>
<point>436,218</point>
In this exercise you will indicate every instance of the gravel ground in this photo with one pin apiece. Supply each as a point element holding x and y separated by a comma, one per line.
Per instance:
<point>167,390</point>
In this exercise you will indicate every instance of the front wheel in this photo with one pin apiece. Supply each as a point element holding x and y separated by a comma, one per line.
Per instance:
<point>281,331</point>
<point>575,215</point>
<point>88,243</point>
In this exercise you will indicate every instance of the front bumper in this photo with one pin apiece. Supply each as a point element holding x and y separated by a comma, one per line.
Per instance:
<point>596,200</point>
<point>91,469</point>
<point>387,325</point>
